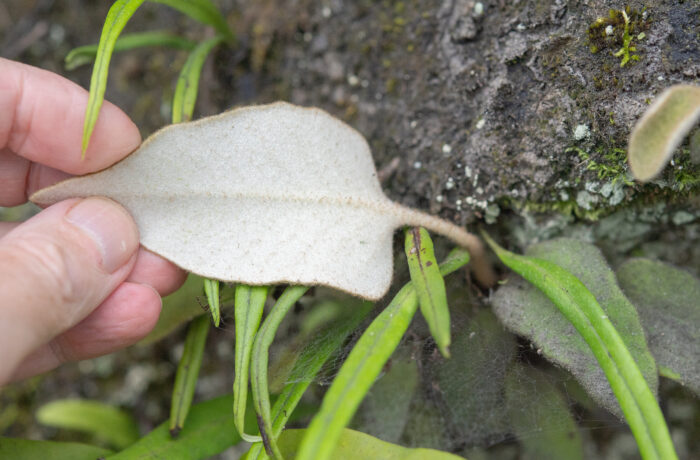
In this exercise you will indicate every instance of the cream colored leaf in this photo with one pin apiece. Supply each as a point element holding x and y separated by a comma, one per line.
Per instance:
<point>662,128</point>
<point>263,195</point>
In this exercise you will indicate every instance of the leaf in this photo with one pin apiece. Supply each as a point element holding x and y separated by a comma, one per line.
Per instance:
<point>581,308</point>
<point>188,81</point>
<point>540,417</point>
<point>113,425</point>
<point>661,129</point>
<point>211,290</point>
<point>667,301</point>
<point>353,445</point>
<point>472,382</point>
<point>359,371</point>
<point>86,54</point>
<point>386,408</point>
<point>248,310</point>
<point>209,430</point>
<point>318,350</point>
<point>429,286</point>
<point>178,308</point>
<point>291,191</point>
<point>117,17</point>
<point>203,11</point>
<point>259,360</point>
<point>526,311</point>
<point>187,373</point>
<point>28,449</point>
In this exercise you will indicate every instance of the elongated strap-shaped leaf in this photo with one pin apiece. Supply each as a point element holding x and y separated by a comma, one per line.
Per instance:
<point>248,310</point>
<point>580,307</point>
<point>360,370</point>
<point>662,128</point>
<point>188,81</point>
<point>187,373</point>
<point>305,208</point>
<point>211,290</point>
<point>354,445</point>
<point>203,11</point>
<point>86,54</point>
<point>429,286</point>
<point>259,360</point>
<point>110,423</point>
<point>117,17</point>
<point>209,431</point>
<point>324,344</point>
<point>29,449</point>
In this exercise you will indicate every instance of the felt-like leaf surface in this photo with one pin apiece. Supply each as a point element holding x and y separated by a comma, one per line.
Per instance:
<point>528,312</point>
<point>662,128</point>
<point>291,191</point>
<point>666,298</point>
<point>540,417</point>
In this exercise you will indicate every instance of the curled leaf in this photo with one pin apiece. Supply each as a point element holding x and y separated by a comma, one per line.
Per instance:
<point>662,128</point>
<point>86,54</point>
<point>248,310</point>
<point>292,191</point>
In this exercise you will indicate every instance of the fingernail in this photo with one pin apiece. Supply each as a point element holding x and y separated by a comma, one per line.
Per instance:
<point>110,227</point>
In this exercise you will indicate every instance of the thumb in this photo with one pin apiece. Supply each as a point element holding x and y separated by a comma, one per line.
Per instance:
<point>56,268</point>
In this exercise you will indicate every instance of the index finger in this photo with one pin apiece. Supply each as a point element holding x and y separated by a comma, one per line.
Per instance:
<point>42,120</point>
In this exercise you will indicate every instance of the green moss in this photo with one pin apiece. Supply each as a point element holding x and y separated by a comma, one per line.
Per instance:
<point>621,31</point>
<point>611,164</point>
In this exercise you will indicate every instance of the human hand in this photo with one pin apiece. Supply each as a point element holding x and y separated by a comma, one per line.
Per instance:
<point>74,283</point>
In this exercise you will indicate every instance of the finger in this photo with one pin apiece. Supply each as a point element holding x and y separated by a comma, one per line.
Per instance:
<point>7,227</point>
<point>157,272</point>
<point>123,319</point>
<point>19,178</point>
<point>150,269</point>
<point>56,268</point>
<point>43,117</point>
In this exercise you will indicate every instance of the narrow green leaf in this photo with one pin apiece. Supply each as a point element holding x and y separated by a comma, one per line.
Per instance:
<point>248,310</point>
<point>259,360</point>
<point>209,431</point>
<point>187,373</point>
<point>353,445</point>
<point>117,17</point>
<point>360,370</point>
<point>554,335</point>
<point>211,290</point>
<point>357,374</point>
<point>580,307</point>
<point>429,286</point>
<point>662,128</point>
<point>203,11</point>
<point>86,54</point>
<point>28,449</point>
<point>113,425</point>
<point>317,351</point>
<point>188,81</point>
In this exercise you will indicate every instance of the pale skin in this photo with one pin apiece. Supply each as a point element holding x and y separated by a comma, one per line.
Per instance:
<point>74,282</point>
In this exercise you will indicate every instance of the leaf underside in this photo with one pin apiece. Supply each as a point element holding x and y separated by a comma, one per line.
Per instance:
<point>290,190</point>
<point>662,128</point>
